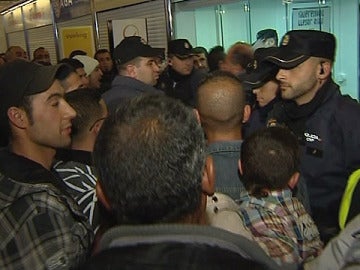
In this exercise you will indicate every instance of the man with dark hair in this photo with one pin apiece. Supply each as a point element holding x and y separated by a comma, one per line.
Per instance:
<point>15,52</point>
<point>155,146</point>
<point>70,79</point>
<point>326,123</point>
<point>41,226</point>
<point>216,58</point>
<point>75,165</point>
<point>180,79</point>
<point>41,56</point>
<point>200,58</point>
<point>107,67</point>
<point>137,71</point>
<point>278,222</point>
<point>79,68</point>
<point>222,111</point>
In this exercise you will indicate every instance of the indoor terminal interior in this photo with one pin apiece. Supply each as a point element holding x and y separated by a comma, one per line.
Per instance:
<point>59,25</point>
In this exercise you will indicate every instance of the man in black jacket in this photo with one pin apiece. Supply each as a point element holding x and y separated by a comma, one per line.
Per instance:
<point>41,225</point>
<point>180,79</point>
<point>326,123</point>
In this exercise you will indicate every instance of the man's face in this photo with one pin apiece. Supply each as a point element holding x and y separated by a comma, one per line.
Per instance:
<point>266,92</point>
<point>105,61</point>
<point>183,65</point>
<point>147,70</point>
<point>84,79</point>
<point>51,118</point>
<point>299,83</point>
<point>72,82</point>
<point>95,77</point>
<point>42,55</point>
<point>18,52</point>
<point>200,61</point>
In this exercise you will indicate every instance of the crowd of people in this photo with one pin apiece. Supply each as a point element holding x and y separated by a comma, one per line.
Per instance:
<point>179,158</point>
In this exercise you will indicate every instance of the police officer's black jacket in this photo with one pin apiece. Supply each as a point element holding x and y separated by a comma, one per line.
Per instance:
<point>328,129</point>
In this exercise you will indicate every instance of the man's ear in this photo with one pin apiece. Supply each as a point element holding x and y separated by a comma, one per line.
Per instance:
<point>17,117</point>
<point>131,71</point>
<point>102,197</point>
<point>169,61</point>
<point>294,180</point>
<point>208,179</point>
<point>247,113</point>
<point>324,70</point>
<point>197,115</point>
<point>97,127</point>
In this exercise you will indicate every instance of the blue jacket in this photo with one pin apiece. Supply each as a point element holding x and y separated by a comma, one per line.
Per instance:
<point>124,87</point>
<point>328,129</point>
<point>226,155</point>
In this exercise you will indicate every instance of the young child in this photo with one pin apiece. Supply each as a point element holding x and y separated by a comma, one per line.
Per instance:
<point>277,221</point>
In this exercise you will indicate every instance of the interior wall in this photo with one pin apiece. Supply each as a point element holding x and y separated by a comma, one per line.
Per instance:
<point>153,12</point>
<point>346,69</point>
<point>267,14</point>
<point>200,28</point>
<point>3,45</point>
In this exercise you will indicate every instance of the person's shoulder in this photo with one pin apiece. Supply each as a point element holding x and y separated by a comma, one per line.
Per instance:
<point>347,112</point>
<point>40,214</point>
<point>347,103</point>
<point>19,195</point>
<point>223,212</point>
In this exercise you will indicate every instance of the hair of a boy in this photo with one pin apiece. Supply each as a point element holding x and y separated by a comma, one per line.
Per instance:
<point>269,158</point>
<point>86,103</point>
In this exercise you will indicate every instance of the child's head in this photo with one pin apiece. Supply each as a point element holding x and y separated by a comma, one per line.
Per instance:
<point>269,160</point>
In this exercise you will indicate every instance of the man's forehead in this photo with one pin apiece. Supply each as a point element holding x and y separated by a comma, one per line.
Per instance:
<point>147,59</point>
<point>104,54</point>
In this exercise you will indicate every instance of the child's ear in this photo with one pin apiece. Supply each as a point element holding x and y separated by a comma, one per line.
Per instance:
<point>294,180</point>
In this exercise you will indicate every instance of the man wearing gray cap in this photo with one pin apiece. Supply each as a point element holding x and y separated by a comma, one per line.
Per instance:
<point>41,227</point>
<point>137,71</point>
<point>326,123</point>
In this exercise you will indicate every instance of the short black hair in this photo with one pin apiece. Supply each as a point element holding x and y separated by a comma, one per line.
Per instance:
<point>215,56</point>
<point>150,155</point>
<point>100,51</point>
<point>198,50</point>
<point>72,62</point>
<point>269,158</point>
<point>77,52</point>
<point>86,103</point>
